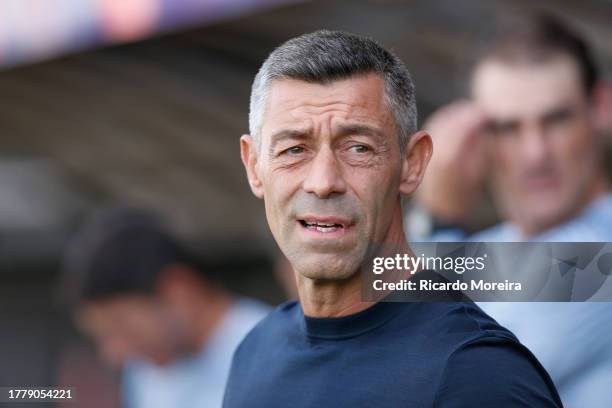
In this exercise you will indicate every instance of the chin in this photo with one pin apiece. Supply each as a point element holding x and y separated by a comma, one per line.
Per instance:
<point>326,266</point>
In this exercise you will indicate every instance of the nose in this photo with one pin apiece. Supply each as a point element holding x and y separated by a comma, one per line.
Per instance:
<point>535,145</point>
<point>324,176</point>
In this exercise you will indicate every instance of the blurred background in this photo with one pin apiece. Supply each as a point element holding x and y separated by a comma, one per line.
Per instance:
<point>142,103</point>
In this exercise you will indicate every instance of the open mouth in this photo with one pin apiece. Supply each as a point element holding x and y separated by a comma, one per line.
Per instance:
<point>320,226</point>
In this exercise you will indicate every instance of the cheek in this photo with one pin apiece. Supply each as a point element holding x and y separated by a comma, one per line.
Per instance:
<point>574,146</point>
<point>271,215</point>
<point>575,153</point>
<point>278,191</point>
<point>144,326</point>
<point>153,340</point>
<point>375,191</point>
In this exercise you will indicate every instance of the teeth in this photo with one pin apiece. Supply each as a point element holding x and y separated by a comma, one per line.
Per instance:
<point>321,227</point>
<point>330,228</point>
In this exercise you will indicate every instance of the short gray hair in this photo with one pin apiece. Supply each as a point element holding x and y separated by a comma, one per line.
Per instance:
<point>325,56</point>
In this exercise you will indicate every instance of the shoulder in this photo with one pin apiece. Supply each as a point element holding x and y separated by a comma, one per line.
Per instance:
<point>279,321</point>
<point>261,343</point>
<point>458,322</point>
<point>473,360</point>
<point>494,369</point>
<point>281,315</point>
<point>441,329</point>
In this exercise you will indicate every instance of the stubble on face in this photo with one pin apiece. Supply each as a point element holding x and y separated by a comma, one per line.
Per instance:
<point>329,162</point>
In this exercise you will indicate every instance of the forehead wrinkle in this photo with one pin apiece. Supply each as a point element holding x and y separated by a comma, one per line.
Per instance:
<point>312,110</point>
<point>347,129</point>
<point>339,127</point>
<point>361,117</point>
<point>355,121</point>
<point>337,132</point>
<point>324,112</point>
<point>318,105</point>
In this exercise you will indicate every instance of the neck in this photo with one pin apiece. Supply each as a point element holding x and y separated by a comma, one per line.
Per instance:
<point>331,298</point>
<point>597,188</point>
<point>337,298</point>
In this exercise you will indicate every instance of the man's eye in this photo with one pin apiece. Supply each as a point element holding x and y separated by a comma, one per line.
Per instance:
<point>360,148</point>
<point>295,150</point>
<point>558,118</point>
<point>503,129</point>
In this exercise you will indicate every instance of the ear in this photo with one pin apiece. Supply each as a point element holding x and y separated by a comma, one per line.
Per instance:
<point>602,99</point>
<point>414,161</point>
<point>248,153</point>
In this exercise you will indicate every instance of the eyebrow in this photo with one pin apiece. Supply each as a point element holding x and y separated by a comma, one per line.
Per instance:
<point>359,129</point>
<point>287,134</point>
<point>340,131</point>
<point>561,111</point>
<point>494,125</point>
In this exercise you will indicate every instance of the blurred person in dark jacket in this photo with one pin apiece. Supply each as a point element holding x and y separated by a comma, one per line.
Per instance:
<point>534,128</point>
<point>153,310</point>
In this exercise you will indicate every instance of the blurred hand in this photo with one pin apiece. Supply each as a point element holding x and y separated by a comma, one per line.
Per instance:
<point>454,178</point>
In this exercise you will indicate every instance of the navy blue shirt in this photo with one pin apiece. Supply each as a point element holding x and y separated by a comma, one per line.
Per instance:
<point>413,354</point>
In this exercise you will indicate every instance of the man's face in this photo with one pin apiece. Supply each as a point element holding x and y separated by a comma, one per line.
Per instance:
<point>329,170</point>
<point>544,150</point>
<point>130,327</point>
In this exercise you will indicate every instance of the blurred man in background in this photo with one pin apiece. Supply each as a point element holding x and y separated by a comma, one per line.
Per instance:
<point>153,310</point>
<point>533,128</point>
